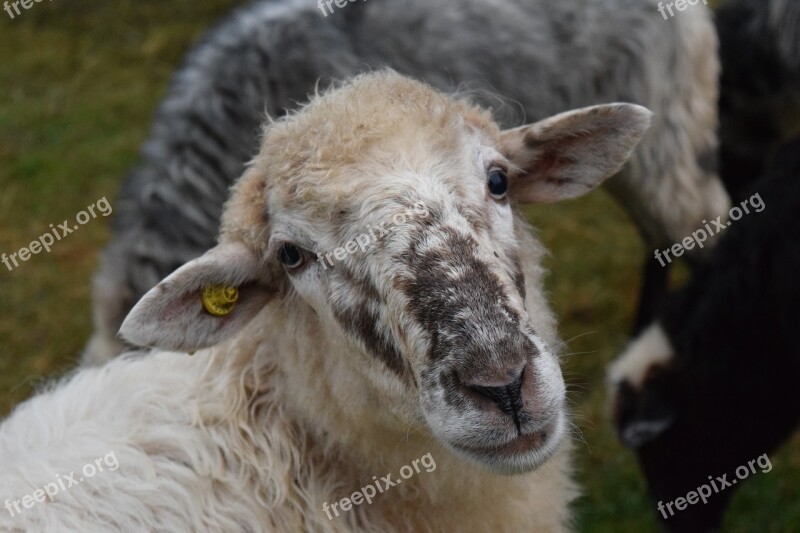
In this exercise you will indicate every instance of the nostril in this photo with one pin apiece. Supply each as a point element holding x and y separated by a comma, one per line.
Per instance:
<point>507,397</point>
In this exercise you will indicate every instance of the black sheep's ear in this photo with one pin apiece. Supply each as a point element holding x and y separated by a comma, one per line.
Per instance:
<point>643,415</point>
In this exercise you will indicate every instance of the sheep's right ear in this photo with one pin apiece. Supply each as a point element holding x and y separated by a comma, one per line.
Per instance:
<point>175,314</point>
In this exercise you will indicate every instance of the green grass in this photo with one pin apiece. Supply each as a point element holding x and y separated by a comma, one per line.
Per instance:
<point>81,81</point>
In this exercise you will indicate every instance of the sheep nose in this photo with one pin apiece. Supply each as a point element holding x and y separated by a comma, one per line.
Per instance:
<point>507,396</point>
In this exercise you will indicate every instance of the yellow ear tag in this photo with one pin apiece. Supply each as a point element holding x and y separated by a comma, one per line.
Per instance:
<point>219,300</point>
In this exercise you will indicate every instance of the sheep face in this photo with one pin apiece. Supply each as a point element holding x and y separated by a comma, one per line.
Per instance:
<point>382,209</point>
<point>436,301</point>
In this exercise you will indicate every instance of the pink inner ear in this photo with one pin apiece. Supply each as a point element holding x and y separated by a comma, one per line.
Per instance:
<point>551,155</point>
<point>549,167</point>
<point>548,170</point>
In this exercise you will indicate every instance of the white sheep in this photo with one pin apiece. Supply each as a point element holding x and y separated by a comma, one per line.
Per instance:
<point>542,56</point>
<point>310,379</point>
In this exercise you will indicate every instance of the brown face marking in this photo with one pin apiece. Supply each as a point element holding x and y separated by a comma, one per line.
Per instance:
<point>449,308</point>
<point>519,277</point>
<point>360,321</point>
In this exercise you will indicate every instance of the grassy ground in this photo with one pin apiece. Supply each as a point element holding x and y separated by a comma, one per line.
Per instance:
<point>80,80</point>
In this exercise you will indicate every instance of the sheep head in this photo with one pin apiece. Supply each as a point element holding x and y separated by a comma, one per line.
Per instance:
<point>383,210</point>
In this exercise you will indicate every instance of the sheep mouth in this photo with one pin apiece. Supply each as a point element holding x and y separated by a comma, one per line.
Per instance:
<point>523,453</point>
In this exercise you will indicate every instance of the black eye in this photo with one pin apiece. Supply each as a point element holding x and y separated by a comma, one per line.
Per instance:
<point>291,256</point>
<point>497,183</point>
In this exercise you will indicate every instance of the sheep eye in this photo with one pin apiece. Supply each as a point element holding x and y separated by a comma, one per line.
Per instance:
<point>497,183</point>
<point>291,256</point>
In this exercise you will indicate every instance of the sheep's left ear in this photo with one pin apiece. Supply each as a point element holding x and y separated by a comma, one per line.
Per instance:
<point>570,154</point>
<point>202,303</point>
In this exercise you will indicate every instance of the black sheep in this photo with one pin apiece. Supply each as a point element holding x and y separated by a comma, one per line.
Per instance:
<point>711,385</point>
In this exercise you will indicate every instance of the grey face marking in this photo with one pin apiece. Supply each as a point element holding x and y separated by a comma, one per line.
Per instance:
<point>519,277</point>
<point>360,318</point>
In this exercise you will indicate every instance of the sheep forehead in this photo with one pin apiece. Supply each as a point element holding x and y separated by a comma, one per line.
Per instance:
<point>353,148</point>
<point>363,128</point>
